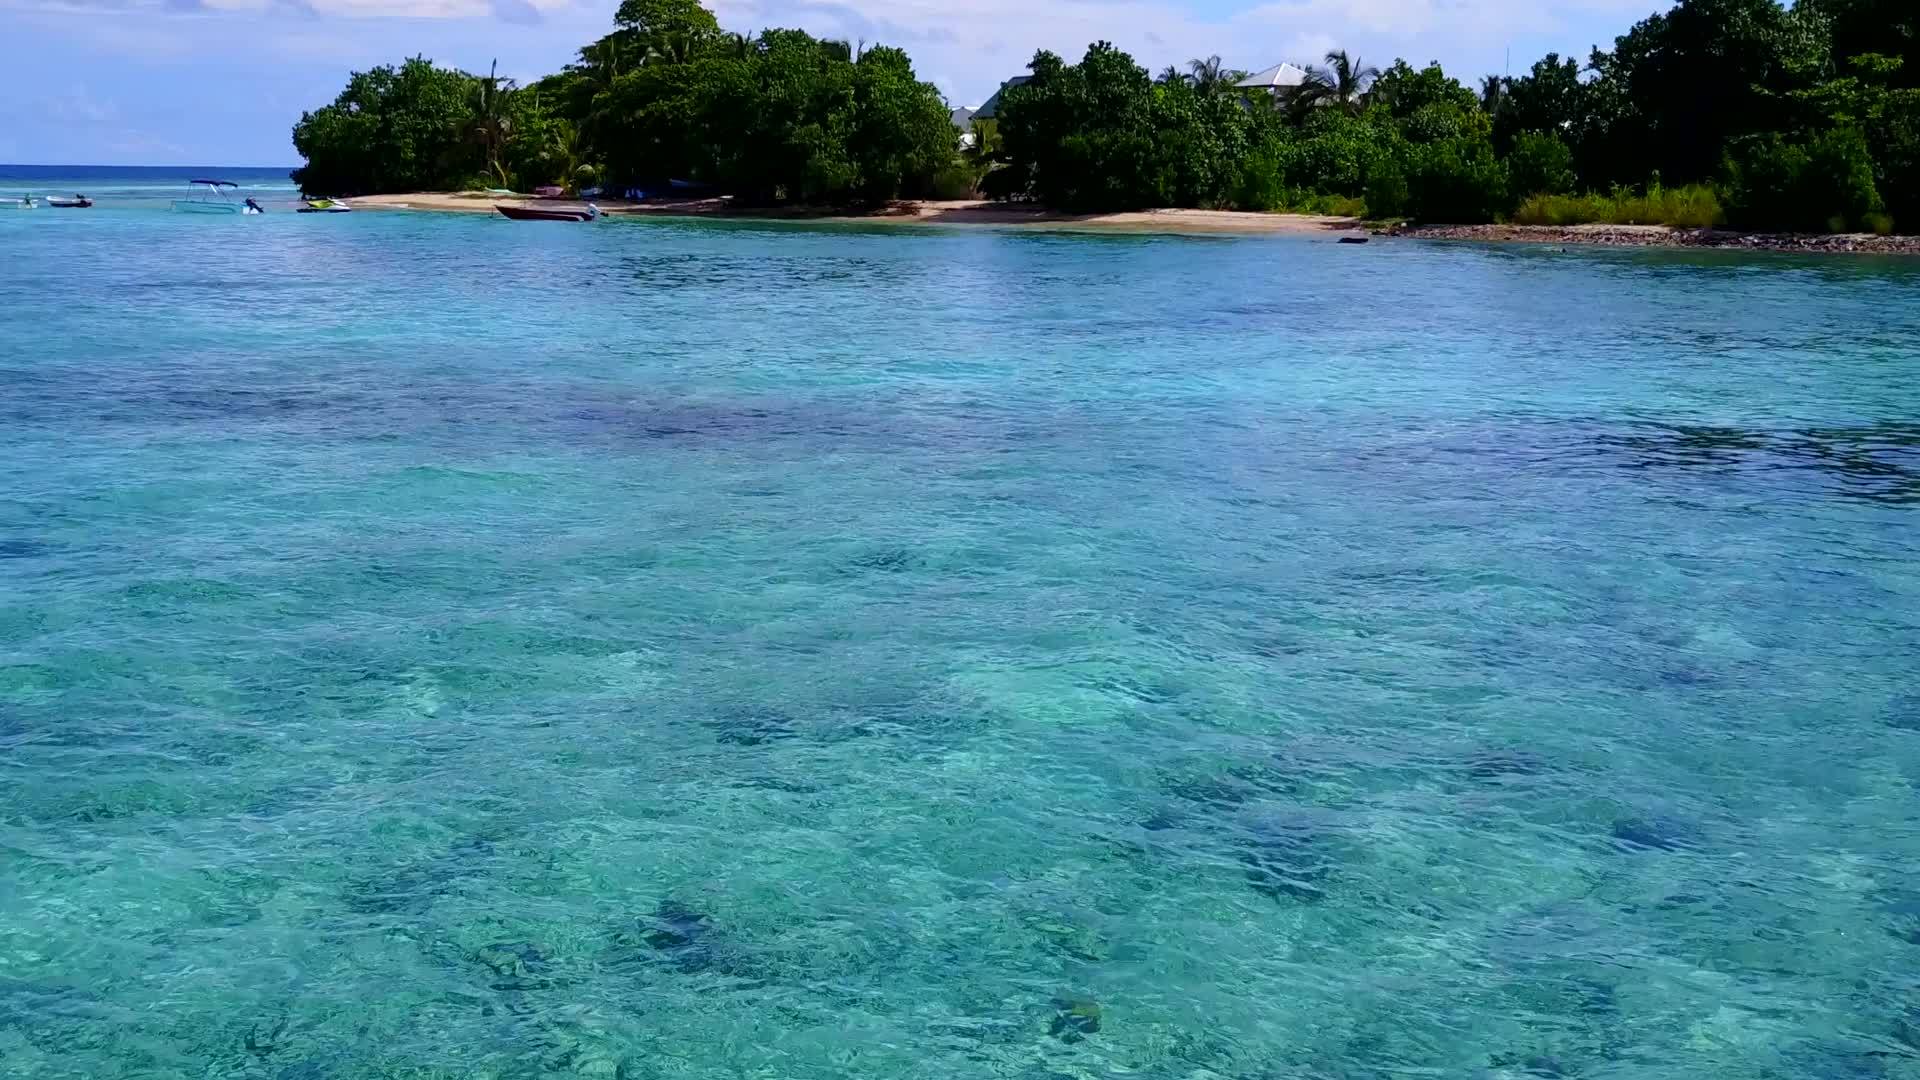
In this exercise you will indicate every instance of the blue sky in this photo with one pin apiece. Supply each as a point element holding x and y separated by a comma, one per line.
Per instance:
<point>211,82</point>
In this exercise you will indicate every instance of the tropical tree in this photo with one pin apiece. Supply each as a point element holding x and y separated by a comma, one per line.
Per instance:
<point>1693,79</point>
<point>1342,81</point>
<point>492,123</point>
<point>392,129</point>
<point>1210,77</point>
<point>667,28</point>
<point>1493,94</point>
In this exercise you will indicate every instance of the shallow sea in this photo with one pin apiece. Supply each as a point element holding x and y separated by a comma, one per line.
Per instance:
<point>435,646</point>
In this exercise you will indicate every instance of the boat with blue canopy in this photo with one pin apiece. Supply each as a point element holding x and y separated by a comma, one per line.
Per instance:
<point>212,200</point>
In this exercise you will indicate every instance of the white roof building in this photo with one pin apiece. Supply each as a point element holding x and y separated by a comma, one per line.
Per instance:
<point>1277,77</point>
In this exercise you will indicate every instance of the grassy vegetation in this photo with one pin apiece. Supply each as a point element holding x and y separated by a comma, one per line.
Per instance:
<point>1310,202</point>
<point>1693,206</point>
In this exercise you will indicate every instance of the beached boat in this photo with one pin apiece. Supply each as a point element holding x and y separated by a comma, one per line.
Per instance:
<point>550,213</point>
<point>214,200</point>
<point>324,206</point>
<point>78,202</point>
<point>27,203</point>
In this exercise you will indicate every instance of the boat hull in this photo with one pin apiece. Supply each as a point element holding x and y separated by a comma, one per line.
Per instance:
<point>70,204</point>
<point>191,206</point>
<point>548,213</point>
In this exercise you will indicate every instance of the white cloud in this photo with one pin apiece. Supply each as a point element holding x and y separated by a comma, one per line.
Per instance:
<point>187,11</point>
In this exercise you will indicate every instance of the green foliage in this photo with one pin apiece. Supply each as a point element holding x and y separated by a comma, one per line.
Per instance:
<point>1388,195</point>
<point>1342,84</point>
<point>1550,99</point>
<point>1403,92</point>
<point>1894,136</point>
<point>1819,184</point>
<point>392,129</point>
<point>1457,181</point>
<point>1808,115</point>
<point>1692,79</point>
<point>1100,135</point>
<point>1262,184</point>
<point>1083,133</point>
<point>780,117</point>
<point>1887,27</point>
<point>1338,150</point>
<point>900,131</point>
<point>1693,206</point>
<point>1540,164</point>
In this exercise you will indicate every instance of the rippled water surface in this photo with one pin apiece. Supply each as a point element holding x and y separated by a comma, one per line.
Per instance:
<point>436,646</point>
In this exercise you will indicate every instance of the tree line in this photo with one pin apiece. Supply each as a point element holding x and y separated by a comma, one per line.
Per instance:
<point>778,117</point>
<point>1745,111</point>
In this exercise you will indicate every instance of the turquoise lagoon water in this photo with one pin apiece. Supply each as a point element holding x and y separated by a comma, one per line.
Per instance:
<point>434,646</point>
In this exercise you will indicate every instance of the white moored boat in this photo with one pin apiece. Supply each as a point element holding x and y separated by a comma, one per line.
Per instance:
<point>213,200</point>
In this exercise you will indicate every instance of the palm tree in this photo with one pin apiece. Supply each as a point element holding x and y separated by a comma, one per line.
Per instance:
<point>1344,81</point>
<point>1493,94</point>
<point>1170,74</point>
<point>493,118</point>
<point>672,47</point>
<point>610,57</point>
<point>1208,76</point>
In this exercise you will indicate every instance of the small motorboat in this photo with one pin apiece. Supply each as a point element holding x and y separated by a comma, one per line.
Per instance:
<point>213,200</point>
<point>324,206</point>
<point>25,203</point>
<point>550,213</point>
<point>78,202</point>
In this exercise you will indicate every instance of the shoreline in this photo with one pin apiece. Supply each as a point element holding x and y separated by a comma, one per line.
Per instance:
<point>1184,222</point>
<point>1665,236</point>
<point>919,212</point>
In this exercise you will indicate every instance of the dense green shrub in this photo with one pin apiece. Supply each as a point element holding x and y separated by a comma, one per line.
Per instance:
<point>1082,134</point>
<point>1458,181</point>
<point>1539,164</point>
<point>1894,135</point>
<point>1387,195</point>
<point>409,128</point>
<point>1336,152</point>
<point>1436,123</point>
<point>1821,183</point>
<point>1263,178</point>
<point>955,181</point>
<point>1404,92</point>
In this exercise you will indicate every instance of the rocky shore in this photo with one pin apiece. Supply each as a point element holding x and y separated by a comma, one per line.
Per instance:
<point>1664,236</point>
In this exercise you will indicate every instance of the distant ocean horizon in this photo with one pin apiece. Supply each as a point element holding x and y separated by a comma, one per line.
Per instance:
<point>134,186</point>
